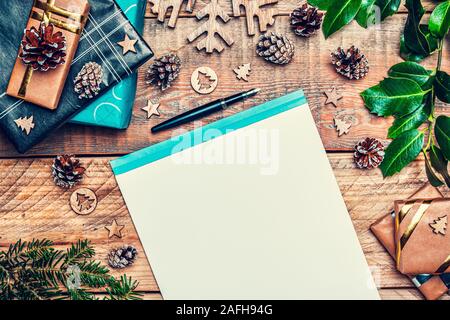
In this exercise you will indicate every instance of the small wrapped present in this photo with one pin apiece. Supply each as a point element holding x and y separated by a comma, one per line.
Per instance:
<point>109,50</point>
<point>432,287</point>
<point>115,107</point>
<point>421,237</point>
<point>46,51</point>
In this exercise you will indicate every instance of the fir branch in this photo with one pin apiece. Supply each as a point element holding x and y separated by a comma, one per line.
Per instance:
<point>36,271</point>
<point>123,289</point>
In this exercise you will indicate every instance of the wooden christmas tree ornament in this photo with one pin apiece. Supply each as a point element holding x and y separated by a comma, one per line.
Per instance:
<point>212,28</point>
<point>342,126</point>
<point>256,8</point>
<point>243,71</point>
<point>439,225</point>
<point>83,201</point>
<point>204,80</point>
<point>161,8</point>
<point>25,123</point>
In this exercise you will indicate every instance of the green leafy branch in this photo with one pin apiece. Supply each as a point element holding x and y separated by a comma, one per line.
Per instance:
<point>37,271</point>
<point>341,12</point>
<point>410,93</point>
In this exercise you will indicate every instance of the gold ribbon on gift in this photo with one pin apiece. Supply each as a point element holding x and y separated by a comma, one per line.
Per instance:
<point>420,210</point>
<point>408,208</point>
<point>48,9</point>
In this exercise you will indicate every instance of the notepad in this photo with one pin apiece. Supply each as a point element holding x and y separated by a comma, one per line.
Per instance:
<point>245,208</point>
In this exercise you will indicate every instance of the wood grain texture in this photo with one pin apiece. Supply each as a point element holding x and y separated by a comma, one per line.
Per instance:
<point>310,70</point>
<point>31,206</point>
<point>283,7</point>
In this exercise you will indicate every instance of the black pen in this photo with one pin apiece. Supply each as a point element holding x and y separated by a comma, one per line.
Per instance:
<point>204,110</point>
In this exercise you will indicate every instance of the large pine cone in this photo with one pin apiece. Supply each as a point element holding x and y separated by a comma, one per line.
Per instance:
<point>122,257</point>
<point>306,20</point>
<point>369,153</point>
<point>164,71</point>
<point>351,63</point>
<point>88,81</point>
<point>67,171</point>
<point>42,49</point>
<point>275,48</point>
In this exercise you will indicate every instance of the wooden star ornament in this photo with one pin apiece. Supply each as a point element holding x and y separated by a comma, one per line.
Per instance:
<point>333,97</point>
<point>114,229</point>
<point>127,45</point>
<point>151,109</point>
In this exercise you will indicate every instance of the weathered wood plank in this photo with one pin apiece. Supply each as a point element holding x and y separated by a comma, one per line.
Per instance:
<point>32,207</point>
<point>311,70</point>
<point>284,7</point>
<point>404,294</point>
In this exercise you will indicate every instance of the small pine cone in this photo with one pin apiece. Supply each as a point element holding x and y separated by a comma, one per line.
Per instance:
<point>306,20</point>
<point>275,48</point>
<point>88,81</point>
<point>42,49</point>
<point>67,171</point>
<point>164,71</point>
<point>369,153</point>
<point>122,257</point>
<point>352,63</point>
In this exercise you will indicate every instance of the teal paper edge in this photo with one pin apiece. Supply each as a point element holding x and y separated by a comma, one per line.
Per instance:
<point>240,120</point>
<point>125,90</point>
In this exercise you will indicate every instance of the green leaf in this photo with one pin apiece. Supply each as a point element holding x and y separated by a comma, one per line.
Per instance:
<point>432,176</point>
<point>366,14</point>
<point>442,133</point>
<point>410,70</point>
<point>408,122</point>
<point>388,7</point>
<point>442,86</point>
<point>339,14</point>
<point>394,96</point>
<point>439,163</point>
<point>409,55</point>
<point>321,4</point>
<point>440,20</point>
<point>415,35</point>
<point>404,149</point>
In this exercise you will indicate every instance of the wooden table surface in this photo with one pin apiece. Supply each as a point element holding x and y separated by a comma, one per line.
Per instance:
<point>31,206</point>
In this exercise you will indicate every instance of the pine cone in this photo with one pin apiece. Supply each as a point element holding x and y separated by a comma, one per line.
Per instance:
<point>275,48</point>
<point>164,71</point>
<point>306,20</point>
<point>122,257</point>
<point>42,49</point>
<point>352,63</point>
<point>88,81</point>
<point>369,153</point>
<point>67,171</point>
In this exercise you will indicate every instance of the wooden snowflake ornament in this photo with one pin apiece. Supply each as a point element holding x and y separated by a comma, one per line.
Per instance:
<point>243,71</point>
<point>25,123</point>
<point>212,28</point>
<point>256,8</point>
<point>161,8</point>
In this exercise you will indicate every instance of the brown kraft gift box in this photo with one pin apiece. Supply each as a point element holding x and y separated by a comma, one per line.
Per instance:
<point>421,237</point>
<point>44,88</point>
<point>384,231</point>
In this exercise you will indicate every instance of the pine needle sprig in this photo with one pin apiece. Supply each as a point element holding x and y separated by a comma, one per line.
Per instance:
<point>123,289</point>
<point>35,270</point>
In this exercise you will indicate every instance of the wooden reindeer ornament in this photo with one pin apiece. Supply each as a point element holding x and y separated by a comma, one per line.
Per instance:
<point>256,8</point>
<point>211,28</point>
<point>161,7</point>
